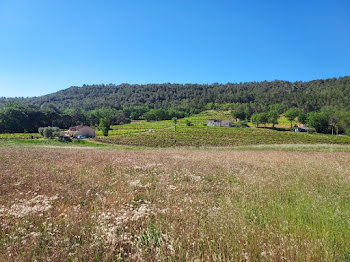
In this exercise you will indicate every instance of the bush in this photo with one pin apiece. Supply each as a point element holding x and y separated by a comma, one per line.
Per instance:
<point>311,130</point>
<point>49,132</point>
<point>188,123</point>
<point>41,131</point>
<point>64,139</point>
<point>241,124</point>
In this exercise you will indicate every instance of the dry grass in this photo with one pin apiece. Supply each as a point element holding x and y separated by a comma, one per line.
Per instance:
<point>92,205</point>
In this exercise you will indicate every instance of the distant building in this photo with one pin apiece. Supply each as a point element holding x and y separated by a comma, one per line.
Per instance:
<point>215,122</point>
<point>81,131</point>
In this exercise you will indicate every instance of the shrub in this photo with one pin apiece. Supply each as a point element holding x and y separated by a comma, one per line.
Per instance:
<point>41,131</point>
<point>64,139</point>
<point>188,123</point>
<point>311,130</point>
<point>241,124</point>
<point>49,132</point>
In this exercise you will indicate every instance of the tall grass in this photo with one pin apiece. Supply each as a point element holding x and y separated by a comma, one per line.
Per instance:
<point>89,205</point>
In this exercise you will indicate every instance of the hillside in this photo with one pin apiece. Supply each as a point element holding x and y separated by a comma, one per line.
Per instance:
<point>198,134</point>
<point>309,96</point>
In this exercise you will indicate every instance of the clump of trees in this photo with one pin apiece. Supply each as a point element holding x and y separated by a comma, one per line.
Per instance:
<point>239,111</point>
<point>259,119</point>
<point>17,118</point>
<point>330,120</point>
<point>162,114</point>
<point>269,116</point>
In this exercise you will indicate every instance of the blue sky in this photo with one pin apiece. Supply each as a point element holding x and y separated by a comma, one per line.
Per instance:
<point>46,46</point>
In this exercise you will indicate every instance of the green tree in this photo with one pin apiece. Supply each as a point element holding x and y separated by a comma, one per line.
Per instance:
<point>337,120</point>
<point>344,124</point>
<point>14,119</point>
<point>212,106</point>
<point>319,121</point>
<point>302,117</point>
<point>334,121</point>
<point>256,119</point>
<point>150,115</point>
<point>104,126</point>
<point>120,118</point>
<point>135,112</point>
<point>273,116</point>
<point>277,107</point>
<point>78,117</point>
<point>291,115</point>
<point>239,114</point>
<point>264,118</point>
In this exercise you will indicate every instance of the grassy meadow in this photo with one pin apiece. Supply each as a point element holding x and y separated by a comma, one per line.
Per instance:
<point>48,142</point>
<point>173,204</point>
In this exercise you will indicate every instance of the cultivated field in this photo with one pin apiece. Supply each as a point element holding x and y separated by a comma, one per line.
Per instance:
<point>173,204</point>
<point>198,134</point>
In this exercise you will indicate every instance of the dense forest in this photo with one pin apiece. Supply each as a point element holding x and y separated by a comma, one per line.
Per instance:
<point>307,96</point>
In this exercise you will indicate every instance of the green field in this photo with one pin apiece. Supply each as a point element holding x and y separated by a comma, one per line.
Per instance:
<point>162,135</point>
<point>47,142</point>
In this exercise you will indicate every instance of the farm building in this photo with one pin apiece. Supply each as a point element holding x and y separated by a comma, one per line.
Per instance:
<point>81,131</point>
<point>215,122</point>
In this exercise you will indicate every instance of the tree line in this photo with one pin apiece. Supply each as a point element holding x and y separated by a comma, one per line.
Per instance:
<point>23,118</point>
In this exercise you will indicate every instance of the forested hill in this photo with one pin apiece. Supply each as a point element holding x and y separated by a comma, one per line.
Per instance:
<point>309,96</point>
